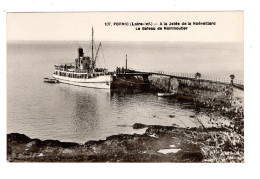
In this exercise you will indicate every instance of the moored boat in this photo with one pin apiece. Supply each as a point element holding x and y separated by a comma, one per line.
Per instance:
<point>48,80</point>
<point>84,71</point>
<point>165,94</point>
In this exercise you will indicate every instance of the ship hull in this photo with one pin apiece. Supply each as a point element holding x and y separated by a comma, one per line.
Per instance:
<point>101,82</point>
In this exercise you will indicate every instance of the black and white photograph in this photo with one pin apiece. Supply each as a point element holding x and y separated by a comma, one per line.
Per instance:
<point>125,87</point>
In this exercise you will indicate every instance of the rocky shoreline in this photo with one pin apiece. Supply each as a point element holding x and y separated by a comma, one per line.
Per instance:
<point>157,144</point>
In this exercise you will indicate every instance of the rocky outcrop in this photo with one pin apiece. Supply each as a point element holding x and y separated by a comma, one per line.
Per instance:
<point>183,145</point>
<point>139,126</point>
<point>117,148</point>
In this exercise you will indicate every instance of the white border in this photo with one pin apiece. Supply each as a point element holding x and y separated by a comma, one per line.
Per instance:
<point>247,170</point>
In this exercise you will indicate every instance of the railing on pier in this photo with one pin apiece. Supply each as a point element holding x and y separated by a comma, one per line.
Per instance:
<point>191,76</point>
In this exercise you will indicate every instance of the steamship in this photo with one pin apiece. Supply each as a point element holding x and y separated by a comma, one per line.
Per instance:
<point>84,71</point>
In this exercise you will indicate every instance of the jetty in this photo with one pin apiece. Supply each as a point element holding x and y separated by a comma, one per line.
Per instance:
<point>189,76</point>
<point>129,78</point>
<point>126,75</point>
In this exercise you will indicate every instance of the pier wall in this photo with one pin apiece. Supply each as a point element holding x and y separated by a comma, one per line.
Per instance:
<point>134,83</point>
<point>163,83</point>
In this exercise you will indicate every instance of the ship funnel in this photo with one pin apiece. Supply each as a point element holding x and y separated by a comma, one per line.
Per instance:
<point>81,53</point>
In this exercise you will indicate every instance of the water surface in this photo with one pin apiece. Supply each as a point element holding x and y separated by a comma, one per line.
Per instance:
<point>77,114</point>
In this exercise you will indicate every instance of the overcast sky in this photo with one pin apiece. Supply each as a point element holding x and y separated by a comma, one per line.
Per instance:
<point>77,26</point>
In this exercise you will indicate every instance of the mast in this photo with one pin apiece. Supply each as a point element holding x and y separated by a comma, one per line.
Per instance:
<point>92,44</point>
<point>94,62</point>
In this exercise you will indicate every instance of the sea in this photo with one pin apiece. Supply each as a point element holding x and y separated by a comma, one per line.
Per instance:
<point>77,114</point>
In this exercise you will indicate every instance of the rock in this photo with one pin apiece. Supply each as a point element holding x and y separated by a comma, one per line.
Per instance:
<point>171,116</point>
<point>32,146</point>
<point>211,142</point>
<point>154,135</point>
<point>57,143</point>
<point>21,138</point>
<point>67,151</point>
<point>139,126</point>
<point>40,155</point>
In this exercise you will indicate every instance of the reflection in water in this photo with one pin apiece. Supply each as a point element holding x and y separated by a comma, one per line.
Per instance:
<point>87,109</point>
<point>86,119</point>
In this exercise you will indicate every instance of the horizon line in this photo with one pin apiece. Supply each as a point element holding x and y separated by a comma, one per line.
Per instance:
<point>120,41</point>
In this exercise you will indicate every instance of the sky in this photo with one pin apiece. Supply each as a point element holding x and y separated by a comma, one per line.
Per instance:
<point>77,26</point>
